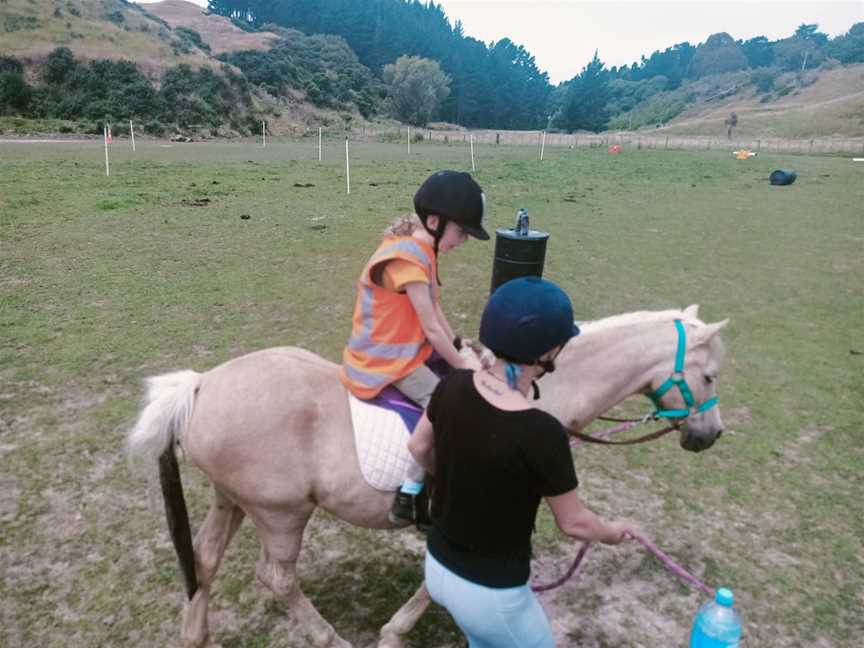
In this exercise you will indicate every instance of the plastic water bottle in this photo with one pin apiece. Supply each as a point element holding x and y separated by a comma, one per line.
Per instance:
<point>718,624</point>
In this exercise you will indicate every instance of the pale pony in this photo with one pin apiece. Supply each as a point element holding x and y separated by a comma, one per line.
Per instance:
<point>272,432</point>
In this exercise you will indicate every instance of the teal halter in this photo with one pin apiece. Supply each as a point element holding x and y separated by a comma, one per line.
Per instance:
<point>677,379</point>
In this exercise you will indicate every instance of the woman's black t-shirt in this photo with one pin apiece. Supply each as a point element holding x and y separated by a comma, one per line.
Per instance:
<point>492,468</point>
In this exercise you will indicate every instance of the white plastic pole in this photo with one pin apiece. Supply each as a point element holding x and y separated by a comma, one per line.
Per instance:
<point>105,137</point>
<point>409,140</point>
<point>473,168</point>
<point>347,168</point>
<point>543,146</point>
<point>132,132</point>
<point>263,134</point>
<point>319,143</point>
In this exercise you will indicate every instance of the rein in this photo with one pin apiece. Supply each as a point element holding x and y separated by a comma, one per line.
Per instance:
<point>626,424</point>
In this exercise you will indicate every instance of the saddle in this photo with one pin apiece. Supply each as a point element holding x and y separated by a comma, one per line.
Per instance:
<point>382,427</point>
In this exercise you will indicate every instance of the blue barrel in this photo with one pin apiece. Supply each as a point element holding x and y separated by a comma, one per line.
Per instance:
<point>519,252</point>
<point>782,177</point>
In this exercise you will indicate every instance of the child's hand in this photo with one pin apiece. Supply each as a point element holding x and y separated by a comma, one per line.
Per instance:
<point>472,363</point>
<point>469,357</point>
<point>481,353</point>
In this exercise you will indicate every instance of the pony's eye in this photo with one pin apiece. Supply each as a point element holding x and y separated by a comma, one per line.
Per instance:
<point>709,379</point>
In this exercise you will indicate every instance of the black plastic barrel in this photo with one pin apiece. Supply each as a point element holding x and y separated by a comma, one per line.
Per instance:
<point>783,177</point>
<point>518,255</point>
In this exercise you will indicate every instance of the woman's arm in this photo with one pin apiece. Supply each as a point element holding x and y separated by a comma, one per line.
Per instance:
<point>421,445</point>
<point>441,340</point>
<point>578,521</point>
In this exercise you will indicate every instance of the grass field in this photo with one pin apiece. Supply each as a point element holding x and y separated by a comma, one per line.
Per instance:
<point>104,281</point>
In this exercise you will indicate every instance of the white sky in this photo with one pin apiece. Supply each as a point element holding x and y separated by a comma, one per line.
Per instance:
<point>563,35</point>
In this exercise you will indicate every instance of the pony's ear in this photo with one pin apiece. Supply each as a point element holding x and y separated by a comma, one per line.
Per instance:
<point>691,312</point>
<point>704,333</point>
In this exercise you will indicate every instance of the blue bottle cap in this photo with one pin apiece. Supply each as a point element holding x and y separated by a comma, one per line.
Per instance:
<point>725,597</point>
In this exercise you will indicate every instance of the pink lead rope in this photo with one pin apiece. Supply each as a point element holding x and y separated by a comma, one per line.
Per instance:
<point>670,564</point>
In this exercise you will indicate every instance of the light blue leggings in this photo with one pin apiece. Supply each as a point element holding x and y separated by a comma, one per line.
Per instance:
<point>490,617</point>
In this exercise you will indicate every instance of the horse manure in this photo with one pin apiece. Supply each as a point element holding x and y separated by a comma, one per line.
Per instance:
<point>215,182</point>
<point>196,202</point>
<point>245,217</point>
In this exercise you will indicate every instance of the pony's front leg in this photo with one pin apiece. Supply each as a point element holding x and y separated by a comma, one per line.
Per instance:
<point>405,619</point>
<point>277,569</point>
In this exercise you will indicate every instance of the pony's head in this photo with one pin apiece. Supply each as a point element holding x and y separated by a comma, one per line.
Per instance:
<point>689,396</point>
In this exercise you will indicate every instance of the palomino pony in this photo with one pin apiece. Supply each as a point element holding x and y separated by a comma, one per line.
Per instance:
<point>272,431</point>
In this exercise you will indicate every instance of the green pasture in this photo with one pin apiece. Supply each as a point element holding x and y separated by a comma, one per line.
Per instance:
<point>191,254</point>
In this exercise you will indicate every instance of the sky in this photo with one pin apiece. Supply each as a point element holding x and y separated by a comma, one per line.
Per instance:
<point>562,36</point>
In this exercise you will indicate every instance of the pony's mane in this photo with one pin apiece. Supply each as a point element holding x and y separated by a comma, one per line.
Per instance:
<point>635,317</point>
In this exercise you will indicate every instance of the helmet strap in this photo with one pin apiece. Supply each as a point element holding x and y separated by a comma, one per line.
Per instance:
<point>548,366</point>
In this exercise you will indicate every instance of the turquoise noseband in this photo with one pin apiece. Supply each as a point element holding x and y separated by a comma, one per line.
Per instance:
<point>677,379</point>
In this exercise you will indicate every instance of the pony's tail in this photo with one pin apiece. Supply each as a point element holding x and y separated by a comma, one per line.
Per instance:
<point>167,410</point>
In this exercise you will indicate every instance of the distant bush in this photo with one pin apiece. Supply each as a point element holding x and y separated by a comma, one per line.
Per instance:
<point>763,78</point>
<point>658,110</point>
<point>14,22</point>
<point>10,65</point>
<point>116,17</point>
<point>191,37</point>
<point>15,94</point>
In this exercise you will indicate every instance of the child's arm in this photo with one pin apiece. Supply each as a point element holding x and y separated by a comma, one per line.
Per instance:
<point>440,339</point>
<point>444,323</point>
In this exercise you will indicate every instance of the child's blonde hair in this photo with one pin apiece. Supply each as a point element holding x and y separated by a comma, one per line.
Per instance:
<point>404,226</point>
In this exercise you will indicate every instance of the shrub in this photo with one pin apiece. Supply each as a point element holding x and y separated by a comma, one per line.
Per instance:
<point>15,94</point>
<point>191,38</point>
<point>763,79</point>
<point>115,17</point>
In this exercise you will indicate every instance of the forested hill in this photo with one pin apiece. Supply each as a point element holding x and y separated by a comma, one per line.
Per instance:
<point>303,63</point>
<point>494,86</point>
<point>500,86</point>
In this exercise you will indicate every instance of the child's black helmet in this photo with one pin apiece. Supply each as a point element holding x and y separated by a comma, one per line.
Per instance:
<point>454,196</point>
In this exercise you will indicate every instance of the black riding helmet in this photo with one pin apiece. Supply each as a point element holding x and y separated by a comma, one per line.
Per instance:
<point>452,196</point>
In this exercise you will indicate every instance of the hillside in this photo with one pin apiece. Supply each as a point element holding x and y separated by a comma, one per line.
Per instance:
<point>821,103</point>
<point>219,33</point>
<point>322,62</point>
<point>170,66</point>
<point>105,29</point>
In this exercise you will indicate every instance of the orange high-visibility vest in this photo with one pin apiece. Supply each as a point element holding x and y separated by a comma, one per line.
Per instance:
<point>387,339</point>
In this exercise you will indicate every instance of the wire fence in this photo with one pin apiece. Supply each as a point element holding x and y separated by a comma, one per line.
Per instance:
<point>660,141</point>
